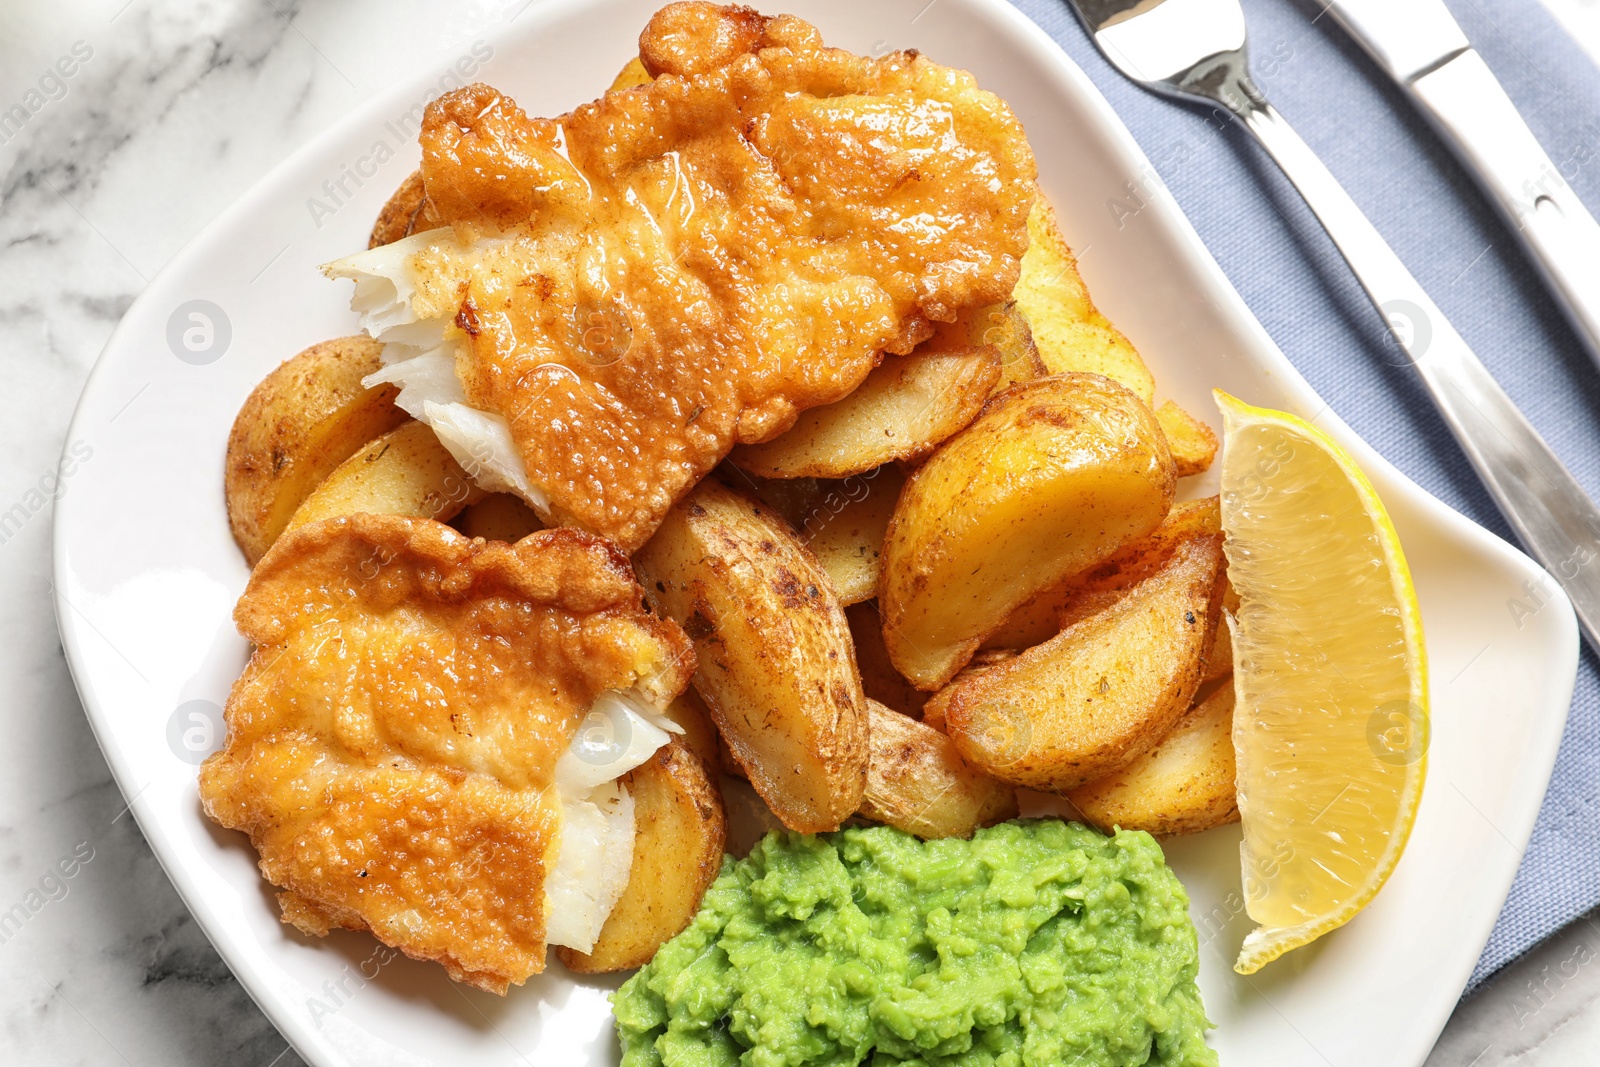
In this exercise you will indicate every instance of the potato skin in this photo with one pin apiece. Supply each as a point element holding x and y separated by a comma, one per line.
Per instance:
<point>1193,444</point>
<point>1069,331</point>
<point>776,666</point>
<point>407,211</point>
<point>1105,689</point>
<point>1183,785</point>
<point>303,420</point>
<point>1087,592</point>
<point>680,828</point>
<point>1054,476</point>
<point>935,705</point>
<point>918,782</point>
<point>699,732</point>
<point>404,472</point>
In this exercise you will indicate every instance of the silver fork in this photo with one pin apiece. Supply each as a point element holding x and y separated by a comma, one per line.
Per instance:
<point>1196,50</point>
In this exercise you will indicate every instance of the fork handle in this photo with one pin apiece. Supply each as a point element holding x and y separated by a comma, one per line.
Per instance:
<point>1549,510</point>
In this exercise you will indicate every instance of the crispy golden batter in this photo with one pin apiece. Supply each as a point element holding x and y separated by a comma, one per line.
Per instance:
<point>685,265</point>
<point>392,738</point>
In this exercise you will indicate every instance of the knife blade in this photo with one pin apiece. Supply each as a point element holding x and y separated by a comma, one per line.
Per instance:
<point>1421,46</point>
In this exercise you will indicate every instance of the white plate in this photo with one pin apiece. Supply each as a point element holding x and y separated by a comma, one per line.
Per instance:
<point>147,574</point>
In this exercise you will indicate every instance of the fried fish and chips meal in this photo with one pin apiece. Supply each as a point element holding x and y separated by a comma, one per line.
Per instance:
<point>753,420</point>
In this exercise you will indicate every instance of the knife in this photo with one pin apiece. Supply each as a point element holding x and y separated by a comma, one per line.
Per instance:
<point>1422,47</point>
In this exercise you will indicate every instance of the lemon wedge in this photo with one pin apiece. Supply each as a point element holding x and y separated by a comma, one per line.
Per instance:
<point>1331,724</point>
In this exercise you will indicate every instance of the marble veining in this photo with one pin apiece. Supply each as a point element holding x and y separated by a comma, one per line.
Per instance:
<point>173,109</point>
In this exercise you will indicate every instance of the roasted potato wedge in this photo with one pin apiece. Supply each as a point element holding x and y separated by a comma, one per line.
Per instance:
<point>1192,442</point>
<point>631,76</point>
<point>1034,623</point>
<point>1085,593</point>
<point>1183,785</point>
<point>904,409</point>
<point>848,542</point>
<point>1088,592</point>
<point>879,680</point>
<point>1055,475</point>
<point>933,708</point>
<point>798,500</point>
<point>407,211</point>
<point>729,765</point>
<point>699,732</point>
<point>498,517</point>
<point>842,520</point>
<point>679,830</point>
<point>776,666</point>
<point>1219,660</point>
<point>1106,688</point>
<point>1048,613</point>
<point>1004,328</point>
<point>404,472</point>
<point>918,782</point>
<point>1069,331</point>
<point>304,419</point>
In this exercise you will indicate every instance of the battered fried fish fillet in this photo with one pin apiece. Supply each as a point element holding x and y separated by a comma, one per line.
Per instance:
<point>624,293</point>
<point>400,746</point>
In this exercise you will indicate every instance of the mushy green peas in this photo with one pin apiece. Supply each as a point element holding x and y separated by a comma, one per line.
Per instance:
<point>1038,943</point>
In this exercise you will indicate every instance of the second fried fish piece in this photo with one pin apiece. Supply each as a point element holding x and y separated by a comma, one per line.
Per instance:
<point>426,741</point>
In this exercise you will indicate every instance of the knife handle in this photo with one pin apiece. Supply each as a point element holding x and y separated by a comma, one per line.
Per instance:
<point>1479,121</point>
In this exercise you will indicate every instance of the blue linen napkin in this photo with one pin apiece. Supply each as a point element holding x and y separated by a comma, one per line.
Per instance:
<point>1288,271</point>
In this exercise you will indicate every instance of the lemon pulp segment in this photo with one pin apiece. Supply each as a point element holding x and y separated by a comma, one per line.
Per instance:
<point>1330,729</point>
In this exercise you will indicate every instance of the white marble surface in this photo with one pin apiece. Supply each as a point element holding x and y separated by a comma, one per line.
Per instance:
<point>172,109</point>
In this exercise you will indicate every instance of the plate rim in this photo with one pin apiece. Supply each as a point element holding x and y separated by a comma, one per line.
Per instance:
<point>1023,33</point>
